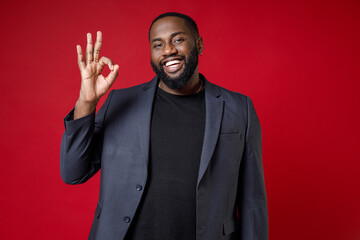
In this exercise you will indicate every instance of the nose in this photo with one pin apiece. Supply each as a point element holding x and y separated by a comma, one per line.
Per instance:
<point>169,49</point>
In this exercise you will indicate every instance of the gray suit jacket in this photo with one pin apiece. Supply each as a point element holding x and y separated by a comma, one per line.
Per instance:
<point>231,198</point>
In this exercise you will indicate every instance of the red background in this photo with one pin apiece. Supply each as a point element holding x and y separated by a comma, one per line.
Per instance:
<point>297,60</point>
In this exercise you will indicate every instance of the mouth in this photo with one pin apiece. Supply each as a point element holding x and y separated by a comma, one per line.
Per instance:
<point>173,65</point>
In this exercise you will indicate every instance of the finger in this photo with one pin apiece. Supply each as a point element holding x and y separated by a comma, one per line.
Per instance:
<point>89,49</point>
<point>112,75</point>
<point>97,47</point>
<point>105,61</point>
<point>81,62</point>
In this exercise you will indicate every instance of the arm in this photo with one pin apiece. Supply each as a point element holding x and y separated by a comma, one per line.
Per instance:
<point>81,144</point>
<point>252,203</point>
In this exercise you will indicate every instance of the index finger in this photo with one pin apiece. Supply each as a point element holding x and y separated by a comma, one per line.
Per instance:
<point>105,61</point>
<point>97,47</point>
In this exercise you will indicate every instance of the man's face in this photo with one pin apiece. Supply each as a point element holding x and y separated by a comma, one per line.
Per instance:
<point>174,53</point>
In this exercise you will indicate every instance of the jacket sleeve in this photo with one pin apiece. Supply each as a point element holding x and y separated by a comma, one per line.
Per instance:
<point>81,145</point>
<point>251,200</point>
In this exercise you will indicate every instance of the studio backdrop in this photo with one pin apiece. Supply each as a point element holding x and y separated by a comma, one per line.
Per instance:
<point>297,60</point>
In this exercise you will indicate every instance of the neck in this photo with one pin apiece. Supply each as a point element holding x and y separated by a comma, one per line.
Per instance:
<point>193,86</point>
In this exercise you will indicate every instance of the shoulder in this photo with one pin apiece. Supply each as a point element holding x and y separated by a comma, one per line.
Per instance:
<point>234,102</point>
<point>229,96</point>
<point>133,91</point>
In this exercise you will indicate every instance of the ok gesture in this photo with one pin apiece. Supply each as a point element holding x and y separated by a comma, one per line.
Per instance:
<point>93,84</point>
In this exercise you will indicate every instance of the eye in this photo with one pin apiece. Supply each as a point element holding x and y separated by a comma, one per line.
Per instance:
<point>178,40</point>
<point>157,45</point>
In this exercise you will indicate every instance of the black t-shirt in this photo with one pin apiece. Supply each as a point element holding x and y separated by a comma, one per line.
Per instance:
<point>168,207</point>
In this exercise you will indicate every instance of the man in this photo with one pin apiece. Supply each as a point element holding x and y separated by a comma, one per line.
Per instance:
<point>180,157</point>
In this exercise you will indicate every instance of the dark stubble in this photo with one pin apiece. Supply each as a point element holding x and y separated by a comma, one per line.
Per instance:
<point>179,82</point>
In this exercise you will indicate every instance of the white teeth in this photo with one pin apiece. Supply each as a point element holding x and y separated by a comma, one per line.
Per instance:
<point>172,62</point>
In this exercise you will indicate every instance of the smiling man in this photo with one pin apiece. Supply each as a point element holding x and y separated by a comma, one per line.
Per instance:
<point>180,157</point>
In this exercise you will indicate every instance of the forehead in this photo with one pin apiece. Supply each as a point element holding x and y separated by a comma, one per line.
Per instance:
<point>164,27</point>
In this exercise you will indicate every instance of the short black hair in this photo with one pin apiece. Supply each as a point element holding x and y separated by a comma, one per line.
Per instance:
<point>188,21</point>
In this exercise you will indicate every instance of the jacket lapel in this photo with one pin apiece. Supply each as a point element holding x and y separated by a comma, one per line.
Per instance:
<point>145,104</point>
<point>214,110</point>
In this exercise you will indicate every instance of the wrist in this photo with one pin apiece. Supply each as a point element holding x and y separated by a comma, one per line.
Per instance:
<point>83,108</point>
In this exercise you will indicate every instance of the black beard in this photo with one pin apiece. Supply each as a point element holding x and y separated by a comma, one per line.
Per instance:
<point>190,65</point>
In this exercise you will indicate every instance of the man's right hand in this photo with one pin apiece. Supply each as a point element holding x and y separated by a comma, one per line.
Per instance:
<point>93,84</point>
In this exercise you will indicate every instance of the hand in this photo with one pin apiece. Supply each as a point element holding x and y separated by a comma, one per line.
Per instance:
<point>93,84</point>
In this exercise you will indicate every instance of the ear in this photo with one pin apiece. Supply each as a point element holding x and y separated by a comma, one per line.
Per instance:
<point>200,45</point>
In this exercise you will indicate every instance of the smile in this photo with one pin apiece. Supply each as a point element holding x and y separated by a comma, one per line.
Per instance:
<point>173,65</point>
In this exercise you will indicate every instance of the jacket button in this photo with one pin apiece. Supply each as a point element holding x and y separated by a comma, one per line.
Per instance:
<point>138,187</point>
<point>127,219</point>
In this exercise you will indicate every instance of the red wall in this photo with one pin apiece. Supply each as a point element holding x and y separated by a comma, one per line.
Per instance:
<point>298,60</point>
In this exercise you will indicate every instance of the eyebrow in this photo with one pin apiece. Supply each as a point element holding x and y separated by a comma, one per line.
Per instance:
<point>172,35</point>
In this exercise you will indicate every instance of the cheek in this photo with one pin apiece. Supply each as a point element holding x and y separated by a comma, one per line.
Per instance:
<point>155,57</point>
<point>186,49</point>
